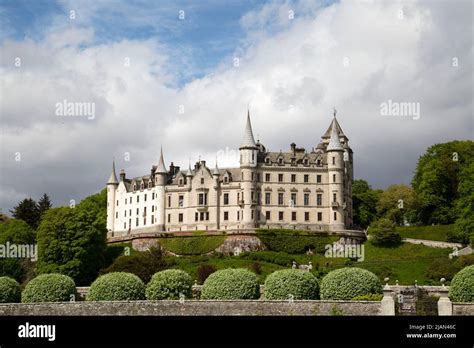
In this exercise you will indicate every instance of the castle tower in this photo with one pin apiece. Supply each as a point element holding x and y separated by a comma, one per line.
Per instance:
<point>160,182</point>
<point>335,160</point>
<point>112,185</point>
<point>216,176</point>
<point>248,166</point>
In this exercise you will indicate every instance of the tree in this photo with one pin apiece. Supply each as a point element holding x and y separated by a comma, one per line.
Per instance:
<point>72,241</point>
<point>27,210</point>
<point>398,203</point>
<point>364,202</point>
<point>382,233</point>
<point>44,204</point>
<point>464,225</point>
<point>437,179</point>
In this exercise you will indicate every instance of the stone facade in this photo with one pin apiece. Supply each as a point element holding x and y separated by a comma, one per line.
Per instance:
<point>296,189</point>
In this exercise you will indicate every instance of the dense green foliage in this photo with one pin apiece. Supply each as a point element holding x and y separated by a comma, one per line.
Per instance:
<point>143,264</point>
<point>293,241</point>
<point>72,241</point>
<point>27,210</point>
<point>291,283</point>
<point>231,284</point>
<point>437,179</point>
<point>118,286</point>
<point>462,285</point>
<point>368,297</point>
<point>203,272</point>
<point>171,284</point>
<point>49,288</point>
<point>398,204</point>
<point>10,291</point>
<point>464,224</point>
<point>192,245</point>
<point>364,202</point>
<point>448,268</point>
<point>347,283</point>
<point>382,233</point>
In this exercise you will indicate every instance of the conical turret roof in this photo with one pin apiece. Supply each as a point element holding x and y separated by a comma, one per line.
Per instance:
<point>161,164</point>
<point>112,177</point>
<point>249,140</point>
<point>334,143</point>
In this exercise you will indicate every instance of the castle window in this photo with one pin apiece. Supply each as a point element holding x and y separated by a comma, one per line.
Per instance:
<point>251,216</point>
<point>125,201</point>
<point>306,162</point>
<point>238,216</point>
<point>144,211</point>
<point>136,222</point>
<point>320,216</point>
<point>280,215</point>
<point>280,160</point>
<point>202,181</point>
<point>334,178</point>
<point>124,225</point>
<point>169,217</point>
<point>207,215</point>
<point>267,160</point>
<point>306,199</point>
<point>318,178</point>
<point>319,199</point>
<point>180,217</point>
<point>142,186</point>
<point>293,216</point>
<point>306,216</point>
<point>306,178</point>
<point>117,202</point>
<point>169,201</point>
<point>334,197</point>
<point>153,195</point>
<point>293,199</point>
<point>181,201</point>
<point>149,184</point>
<point>318,162</point>
<point>280,198</point>
<point>226,198</point>
<point>334,160</point>
<point>267,215</point>
<point>152,208</point>
<point>267,177</point>
<point>138,198</point>
<point>293,177</point>
<point>116,215</point>
<point>280,177</point>
<point>201,216</point>
<point>202,199</point>
<point>267,198</point>
<point>335,216</point>
<point>226,215</point>
<point>253,156</point>
<point>145,197</point>
<point>252,177</point>
<point>134,187</point>
<point>196,216</point>
<point>144,221</point>
<point>138,210</point>
<point>152,219</point>
<point>125,213</point>
<point>226,179</point>
<point>130,212</point>
<point>180,182</point>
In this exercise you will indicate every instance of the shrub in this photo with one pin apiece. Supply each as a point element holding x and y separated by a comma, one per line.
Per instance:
<point>293,241</point>
<point>203,272</point>
<point>231,284</point>
<point>117,286</point>
<point>193,245</point>
<point>279,258</point>
<point>280,285</point>
<point>383,234</point>
<point>448,268</point>
<point>462,285</point>
<point>142,264</point>
<point>10,291</point>
<point>347,283</point>
<point>368,297</point>
<point>51,287</point>
<point>256,268</point>
<point>169,285</point>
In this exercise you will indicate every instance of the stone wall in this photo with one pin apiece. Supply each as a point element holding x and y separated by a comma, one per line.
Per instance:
<point>463,308</point>
<point>195,308</point>
<point>236,244</point>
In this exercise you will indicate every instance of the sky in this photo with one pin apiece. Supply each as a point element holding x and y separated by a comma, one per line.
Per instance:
<point>181,75</point>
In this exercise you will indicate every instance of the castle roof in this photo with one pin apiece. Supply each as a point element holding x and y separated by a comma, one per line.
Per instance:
<point>161,164</point>
<point>249,140</point>
<point>334,142</point>
<point>112,177</point>
<point>333,124</point>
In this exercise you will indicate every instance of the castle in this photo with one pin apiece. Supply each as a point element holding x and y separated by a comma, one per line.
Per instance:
<point>295,189</point>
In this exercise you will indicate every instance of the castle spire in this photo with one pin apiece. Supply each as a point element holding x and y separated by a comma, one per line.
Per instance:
<point>113,178</point>
<point>334,142</point>
<point>249,140</point>
<point>216,170</point>
<point>161,164</point>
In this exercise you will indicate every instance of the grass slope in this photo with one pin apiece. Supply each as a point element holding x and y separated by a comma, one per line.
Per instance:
<point>437,232</point>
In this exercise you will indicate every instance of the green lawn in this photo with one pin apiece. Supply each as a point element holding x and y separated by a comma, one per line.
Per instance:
<point>405,263</point>
<point>437,232</point>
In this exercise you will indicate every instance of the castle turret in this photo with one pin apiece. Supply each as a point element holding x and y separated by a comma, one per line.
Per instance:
<point>335,160</point>
<point>216,176</point>
<point>160,182</point>
<point>112,185</point>
<point>248,165</point>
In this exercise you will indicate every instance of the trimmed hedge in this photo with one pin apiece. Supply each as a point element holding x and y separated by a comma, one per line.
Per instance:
<point>169,285</point>
<point>369,297</point>
<point>462,285</point>
<point>117,286</point>
<point>231,284</point>
<point>280,285</point>
<point>347,283</point>
<point>293,241</point>
<point>192,245</point>
<point>53,287</point>
<point>10,291</point>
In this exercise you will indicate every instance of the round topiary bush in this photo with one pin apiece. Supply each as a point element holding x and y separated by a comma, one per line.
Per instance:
<point>10,291</point>
<point>117,286</point>
<point>51,287</point>
<point>294,283</point>
<point>462,285</point>
<point>347,283</point>
<point>231,284</point>
<point>169,285</point>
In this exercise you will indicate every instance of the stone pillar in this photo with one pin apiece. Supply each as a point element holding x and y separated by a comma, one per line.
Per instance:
<point>388,304</point>
<point>445,307</point>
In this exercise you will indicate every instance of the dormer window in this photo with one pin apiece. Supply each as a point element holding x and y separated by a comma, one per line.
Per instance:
<point>142,186</point>
<point>202,181</point>
<point>180,181</point>
<point>280,160</point>
<point>149,184</point>
<point>226,179</point>
<point>305,162</point>
<point>318,162</point>
<point>267,160</point>
<point>134,187</point>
